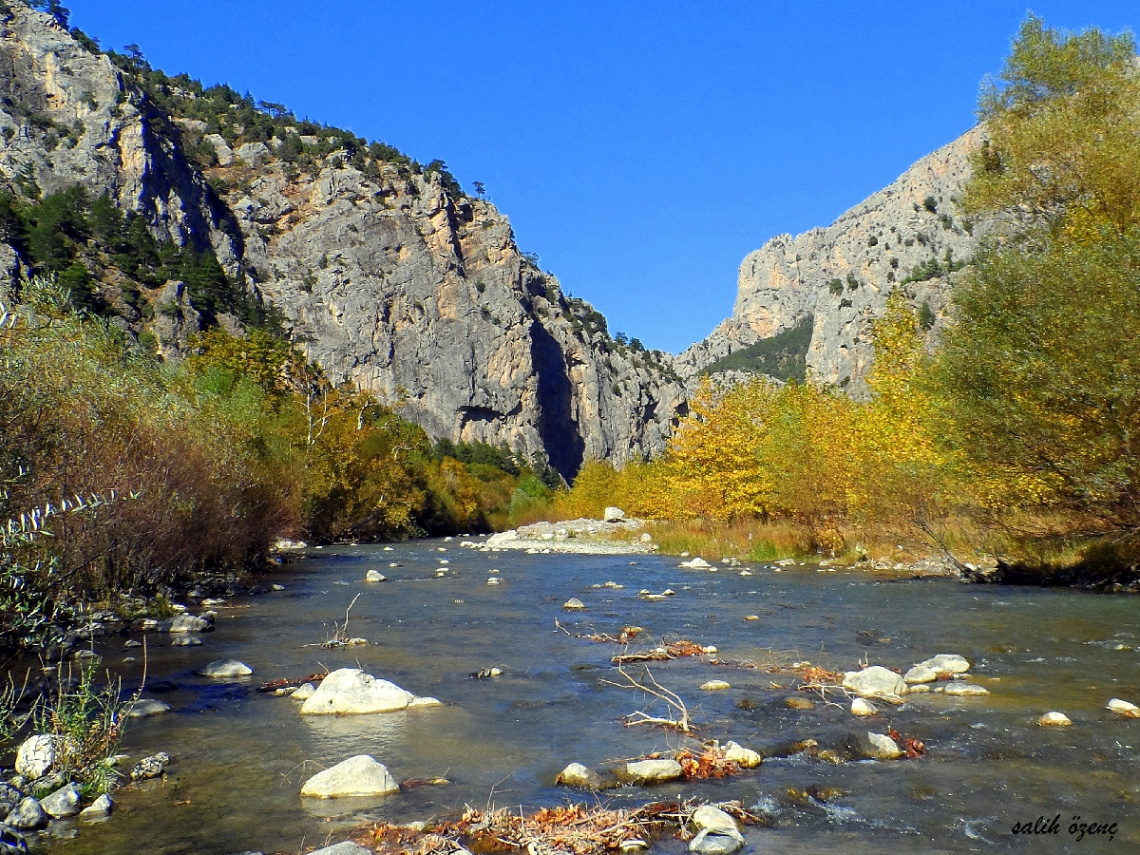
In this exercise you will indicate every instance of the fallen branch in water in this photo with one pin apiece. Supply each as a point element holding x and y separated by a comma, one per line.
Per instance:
<point>289,683</point>
<point>670,650</point>
<point>574,829</point>
<point>680,720</point>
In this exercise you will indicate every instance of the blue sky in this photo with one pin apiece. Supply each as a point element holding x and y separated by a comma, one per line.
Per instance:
<point>641,149</point>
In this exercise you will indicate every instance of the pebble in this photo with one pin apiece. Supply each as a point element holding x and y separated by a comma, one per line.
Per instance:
<point>1054,719</point>
<point>715,686</point>
<point>573,604</point>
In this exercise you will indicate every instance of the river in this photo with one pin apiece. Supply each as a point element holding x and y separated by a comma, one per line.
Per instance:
<point>240,757</point>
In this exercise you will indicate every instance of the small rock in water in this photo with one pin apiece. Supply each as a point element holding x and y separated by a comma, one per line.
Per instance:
<point>752,617</point>
<point>714,842</point>
<point>863,707</point>
<point>875,682</point>
<point>920,674</point>
<point>652,771</point>
<point>882,747</point>
<point>225,668</point>
<point>375,576</point>
<point>186,641</point>
<point>960,688</point>
<point>746,758</point>
<point>132,642</point>
<point>64,802</point>
<point>715,686</point>
<point>950,662</point>
<point>696,564</point>
<point>150,767</point>
<point>303,692</point>
<point>577,775</point>
<point>1124,708</point>
<point>346,848</point>
<point>797,703</point>
<point>1054,719</point>
<point>98,810</point>
<point>146,707</point>
<point>361,775</point>
<point>492,581</point>
<point>28,815</point>
<point>573,604</point>
<point>713,818</point>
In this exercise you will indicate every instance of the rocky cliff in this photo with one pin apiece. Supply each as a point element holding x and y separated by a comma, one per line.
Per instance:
<point>383,271</point>
<point>910,235</point>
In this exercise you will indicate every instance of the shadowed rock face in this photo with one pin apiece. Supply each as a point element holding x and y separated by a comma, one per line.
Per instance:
<point>839,277</point>
<point>386,280</point>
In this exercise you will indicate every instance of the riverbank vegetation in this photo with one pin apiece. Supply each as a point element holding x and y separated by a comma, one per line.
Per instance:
<point>1018,433</point>
<point>121,474</point>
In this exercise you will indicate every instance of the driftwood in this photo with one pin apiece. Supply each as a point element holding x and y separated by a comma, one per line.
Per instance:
<point>680,713</point>
<point>573,829</point>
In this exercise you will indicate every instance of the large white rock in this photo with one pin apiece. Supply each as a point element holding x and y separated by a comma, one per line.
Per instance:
<point>36,755</point>
<point>612,514</point>
<point>696,564</point>
<point>1054,719</point>
<point>875,682</point>
<point>349,691</point>
<point>951,662</point>
<point>361,775</point>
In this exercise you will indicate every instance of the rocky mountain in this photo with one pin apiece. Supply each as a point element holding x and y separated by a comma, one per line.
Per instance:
<point>910,235</point>
<point>200,207</point>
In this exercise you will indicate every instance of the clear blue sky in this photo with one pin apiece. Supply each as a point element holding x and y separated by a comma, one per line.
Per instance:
<point>642,149</point>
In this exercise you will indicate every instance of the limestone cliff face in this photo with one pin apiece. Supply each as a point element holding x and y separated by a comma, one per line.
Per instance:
<point>424,299</point>
<point>840,276</point>
<point>392,279</point>
<point>68,117</point>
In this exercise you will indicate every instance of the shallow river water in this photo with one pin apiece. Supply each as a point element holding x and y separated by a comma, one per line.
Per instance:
<point>240,757</point>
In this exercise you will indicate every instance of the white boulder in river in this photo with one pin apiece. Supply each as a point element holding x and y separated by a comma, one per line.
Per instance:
<point>361,775</point>
<point>36,755</point>
<point>221,669</point>
<point>346,848</point>
<point>350,691</point>
<point>875,682</point>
